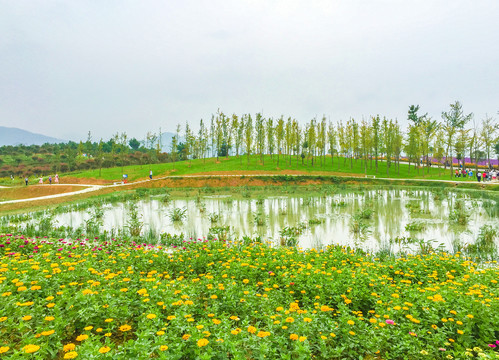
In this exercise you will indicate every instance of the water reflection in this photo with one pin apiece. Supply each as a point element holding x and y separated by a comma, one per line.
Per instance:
<point>328,219</point>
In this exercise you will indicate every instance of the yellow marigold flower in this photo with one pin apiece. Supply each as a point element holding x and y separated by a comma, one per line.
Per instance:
<point>171,317</point>
<point>324,308</point>
<point>4,349</point>
<point>216,321</point>
<point>302,338</point>
<point>50,305</point>
<point>350,322</point>
<point>26,318</point>
<point>351,333</point>
<point>163,347</point>
<point>29,349</point>
<point>151,316</point>
<point>470,316</point>
<point>203,342</point>
<point>235,318</point>
<point>48,332</point>
<point>108,334</point>
<point>279,308</point>
<point>332,334</point>
<point>88,328</point>
<point>98,330</point>
<point>49,318</point>
<point>108,320</point>
<point>263,334</point>
<point>104,349</point>
<point>290,319</point>
<point>186,337</point>
<point>373,320</point>
<point>293,337</point>
<point>161,332</point>
<point>69,347</point>
<point>70,355</point>
<point>245,281</point>
<point>307,319</point>
<point>236,331</point>
<point>438,298</point>
<point>82,337</point>
<point>251,329</point>
<point>220,340</point>
<point>3,318</point>
<point>125,328</point>
<point>214,297</point>
<point>460,332</point>
<point>124,290</point>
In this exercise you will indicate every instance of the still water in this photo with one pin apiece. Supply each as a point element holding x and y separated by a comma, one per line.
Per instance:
<point>330,219</point>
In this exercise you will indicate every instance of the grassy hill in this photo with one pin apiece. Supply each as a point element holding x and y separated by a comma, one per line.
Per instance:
<point>235,165</point>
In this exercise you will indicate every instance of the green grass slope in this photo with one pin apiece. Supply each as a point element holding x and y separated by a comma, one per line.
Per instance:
<point>241,165</point>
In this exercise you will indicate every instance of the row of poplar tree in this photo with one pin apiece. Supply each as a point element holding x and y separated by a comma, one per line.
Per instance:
<point>424,141</point>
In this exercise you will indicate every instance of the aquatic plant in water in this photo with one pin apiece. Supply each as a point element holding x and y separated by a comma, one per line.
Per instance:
<point>134,222</point>
<point>177,214</point>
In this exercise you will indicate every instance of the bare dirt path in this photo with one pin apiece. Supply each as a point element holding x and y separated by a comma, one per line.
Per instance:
<point>90,188</point>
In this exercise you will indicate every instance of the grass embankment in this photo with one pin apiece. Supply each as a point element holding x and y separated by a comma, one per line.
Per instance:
<point>234,165</point>
<point>210,300</point>
<point>27,192</point>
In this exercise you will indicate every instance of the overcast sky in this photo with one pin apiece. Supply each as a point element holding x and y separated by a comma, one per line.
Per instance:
<point>69,67</point>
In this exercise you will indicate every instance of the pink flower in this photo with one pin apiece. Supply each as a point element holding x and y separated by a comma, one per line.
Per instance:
<point>492,345</point>
<point>441,349</point>
<point>390,322</point>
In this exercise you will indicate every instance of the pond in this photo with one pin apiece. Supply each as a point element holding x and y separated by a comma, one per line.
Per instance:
<point>373,220</point>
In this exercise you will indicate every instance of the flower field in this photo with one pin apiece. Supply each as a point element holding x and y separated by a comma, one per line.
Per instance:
<point>88,299</point>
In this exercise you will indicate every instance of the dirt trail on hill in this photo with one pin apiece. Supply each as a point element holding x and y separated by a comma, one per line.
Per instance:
<point>132,185</point>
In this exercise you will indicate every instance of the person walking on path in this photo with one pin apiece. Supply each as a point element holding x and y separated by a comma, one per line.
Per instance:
<point>26,180</point>
<point>479,176</point>
<point>50,180</point>
<point>150,174</point>
<point>40,181</point>
<point>56,179</point>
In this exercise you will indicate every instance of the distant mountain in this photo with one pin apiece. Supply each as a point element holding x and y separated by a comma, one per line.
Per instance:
<point>15,136</point>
